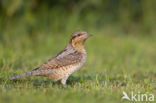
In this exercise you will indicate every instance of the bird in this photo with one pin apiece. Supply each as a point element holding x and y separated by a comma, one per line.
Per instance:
<point>65,63</point>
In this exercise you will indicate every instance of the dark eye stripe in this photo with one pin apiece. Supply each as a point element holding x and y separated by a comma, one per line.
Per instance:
<point>73,37</point>
<point>76,36</point>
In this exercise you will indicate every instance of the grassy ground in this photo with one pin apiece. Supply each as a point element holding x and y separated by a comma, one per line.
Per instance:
<point>115,63</point>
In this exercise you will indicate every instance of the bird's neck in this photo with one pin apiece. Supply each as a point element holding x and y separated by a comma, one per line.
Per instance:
<point>78,46</point>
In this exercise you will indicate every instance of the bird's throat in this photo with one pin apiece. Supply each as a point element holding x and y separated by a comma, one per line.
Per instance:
<point>79,46</point>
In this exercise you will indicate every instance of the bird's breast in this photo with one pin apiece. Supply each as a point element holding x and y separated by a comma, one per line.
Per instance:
<point>77,66</point>
<point>67,70</point>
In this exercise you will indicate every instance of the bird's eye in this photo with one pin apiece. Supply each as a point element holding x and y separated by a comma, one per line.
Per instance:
<point>78,34</point>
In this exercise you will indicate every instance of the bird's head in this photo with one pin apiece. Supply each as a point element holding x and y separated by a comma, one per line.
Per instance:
<point>78,38</point>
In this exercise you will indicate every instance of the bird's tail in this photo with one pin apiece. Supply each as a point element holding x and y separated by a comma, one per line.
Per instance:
<point>23,75</point>
<point>33,73</point>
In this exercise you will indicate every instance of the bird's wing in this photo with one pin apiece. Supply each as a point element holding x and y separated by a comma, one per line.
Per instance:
<point>60,60</point>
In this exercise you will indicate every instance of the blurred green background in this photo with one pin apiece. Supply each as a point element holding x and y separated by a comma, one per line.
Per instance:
<point>28,17</point>
<point>121,53</point>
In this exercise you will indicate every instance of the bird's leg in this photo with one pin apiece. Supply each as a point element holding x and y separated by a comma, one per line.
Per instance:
<point>63,81</point>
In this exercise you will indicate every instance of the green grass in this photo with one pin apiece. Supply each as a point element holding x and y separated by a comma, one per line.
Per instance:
<point>115,63</point>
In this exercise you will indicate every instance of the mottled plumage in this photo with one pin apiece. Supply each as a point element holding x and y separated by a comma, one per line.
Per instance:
<point>65,63</point>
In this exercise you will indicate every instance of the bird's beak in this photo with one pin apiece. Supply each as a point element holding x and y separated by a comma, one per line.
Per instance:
<point>89,35</point>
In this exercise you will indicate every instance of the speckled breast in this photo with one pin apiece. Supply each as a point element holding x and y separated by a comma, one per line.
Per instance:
<point>61,72</point>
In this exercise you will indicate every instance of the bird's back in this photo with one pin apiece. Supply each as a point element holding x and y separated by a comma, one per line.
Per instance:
<point>65,63</point>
